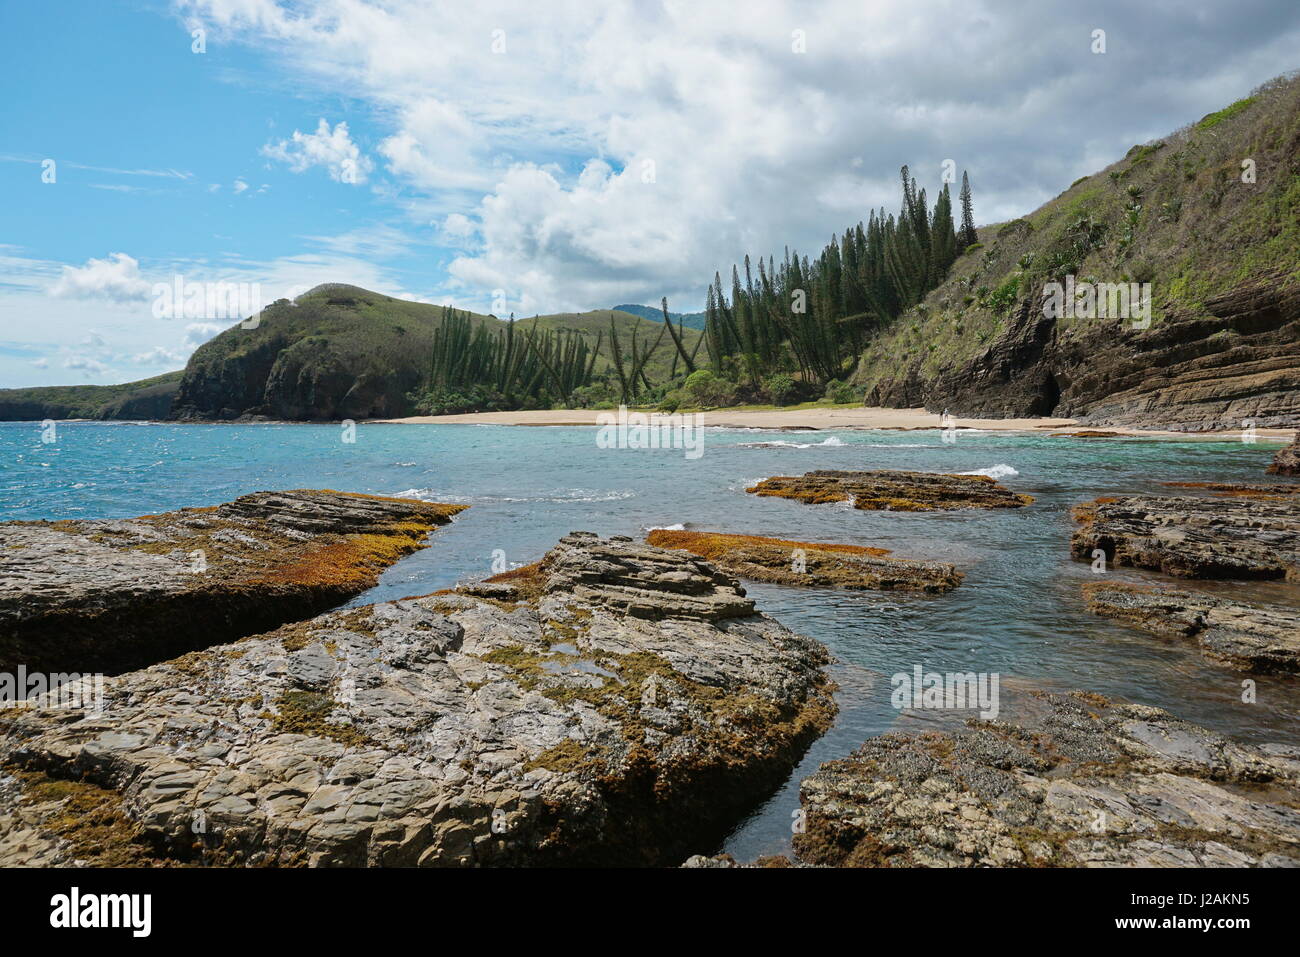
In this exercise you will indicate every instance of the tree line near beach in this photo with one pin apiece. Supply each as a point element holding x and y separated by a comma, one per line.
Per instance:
<point>786,331</point>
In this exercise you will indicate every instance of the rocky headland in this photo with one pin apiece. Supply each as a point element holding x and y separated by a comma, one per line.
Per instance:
<point>613,704</point>
<point>897,491</point>
<point>810,564</point>
<point>109,595</point>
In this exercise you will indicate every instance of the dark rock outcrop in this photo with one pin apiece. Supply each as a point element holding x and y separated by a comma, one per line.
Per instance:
<point>1086,782</point>
<point>109,595</point>
<point>1287,460</point>
<point>810,564</point>
<point>1227,536</point>
<point>893,490</point>
<point>613,704</point>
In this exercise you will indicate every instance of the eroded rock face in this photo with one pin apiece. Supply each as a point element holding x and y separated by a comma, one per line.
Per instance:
<point>1247,637</point>
<point>1227,536</point>
<point>893,490</point>
<point>1287,460</point>
<point>541,719</point>
<point>1084,783</point>
<point>108,595</point>
<point>810,564</point>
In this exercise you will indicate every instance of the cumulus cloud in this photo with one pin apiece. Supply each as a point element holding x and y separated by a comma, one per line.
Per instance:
<point>627,151</point>
<point>197,333</point>
<point>116,278</point>
<point>332,149</point>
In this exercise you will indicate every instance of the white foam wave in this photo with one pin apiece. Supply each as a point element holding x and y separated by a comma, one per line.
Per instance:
<point>998,471</point>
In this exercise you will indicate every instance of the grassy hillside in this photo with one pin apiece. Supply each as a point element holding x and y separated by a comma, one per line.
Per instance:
<point>145,399</point>
<point>1174,212</point>
<point>340,351</point>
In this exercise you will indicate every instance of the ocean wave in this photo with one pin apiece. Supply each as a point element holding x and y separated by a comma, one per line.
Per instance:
<point>998,471</point>
<point>557,496</point>
<point>829,442</point>
<point>679,527</point>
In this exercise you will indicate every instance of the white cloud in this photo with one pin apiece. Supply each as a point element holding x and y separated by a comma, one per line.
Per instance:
<point>540,149</point>
<point>197,333</point>
<point>91,367</point>
<point>159,356</point>
<point>332,149</point>
<point>239,186</point>
<point>116,278</point>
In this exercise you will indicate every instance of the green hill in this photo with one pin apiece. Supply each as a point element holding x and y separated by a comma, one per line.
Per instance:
<point>146,399</point>
<point>1209,216</point>
<point>345,352</point>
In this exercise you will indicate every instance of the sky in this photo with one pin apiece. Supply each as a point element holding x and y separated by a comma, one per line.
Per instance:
<point>535,157</point>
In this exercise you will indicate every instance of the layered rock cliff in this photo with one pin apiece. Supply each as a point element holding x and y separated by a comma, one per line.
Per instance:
<point>1203,226</point>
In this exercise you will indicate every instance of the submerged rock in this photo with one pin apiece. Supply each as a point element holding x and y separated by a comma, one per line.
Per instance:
<point>1228,536</point>
<point>1287,460</point>
<point>109,595</point>
<point>1086,782</point>
<point>613,704</point>
<point>1247,637</point>
<point>893,490</point>
<point>812,564</point>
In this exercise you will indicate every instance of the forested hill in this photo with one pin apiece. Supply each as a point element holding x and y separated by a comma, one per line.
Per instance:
<point>341,352</point>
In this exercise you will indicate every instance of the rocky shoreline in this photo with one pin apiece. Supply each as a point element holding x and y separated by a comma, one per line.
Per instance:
<point>613,704</point>
<point>113,594</point>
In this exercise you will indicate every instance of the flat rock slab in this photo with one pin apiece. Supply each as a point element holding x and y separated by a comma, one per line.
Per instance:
<point>1084,783</point>
<point>109,595</point>
<point>1247,637</point>
<point>810,564</point>
<point>1224,536</point>
<point>615,704</point>
<point>893,491</point>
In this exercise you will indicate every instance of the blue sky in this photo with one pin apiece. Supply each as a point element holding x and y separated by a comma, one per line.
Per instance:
<point>527,158</point>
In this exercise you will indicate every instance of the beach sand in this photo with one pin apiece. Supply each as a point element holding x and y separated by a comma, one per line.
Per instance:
<point>833,418</point>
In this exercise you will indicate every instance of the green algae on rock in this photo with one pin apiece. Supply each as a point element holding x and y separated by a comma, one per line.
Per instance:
<point>112,594</point>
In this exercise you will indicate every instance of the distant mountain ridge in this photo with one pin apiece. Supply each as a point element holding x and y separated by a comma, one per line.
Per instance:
<point>691,320</point>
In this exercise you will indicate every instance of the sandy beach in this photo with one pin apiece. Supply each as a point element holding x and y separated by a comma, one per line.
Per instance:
<point>832,418</point>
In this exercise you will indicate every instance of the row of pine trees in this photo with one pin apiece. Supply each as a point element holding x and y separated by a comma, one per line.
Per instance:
<point>814,316</point>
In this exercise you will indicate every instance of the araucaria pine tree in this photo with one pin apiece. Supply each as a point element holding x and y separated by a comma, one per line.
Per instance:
<point>967,235</point>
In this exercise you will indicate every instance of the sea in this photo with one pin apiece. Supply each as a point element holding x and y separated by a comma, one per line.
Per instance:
<point>1019,615</point>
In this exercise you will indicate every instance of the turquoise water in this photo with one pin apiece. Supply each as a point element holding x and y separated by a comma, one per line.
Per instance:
<point>1019,612</point>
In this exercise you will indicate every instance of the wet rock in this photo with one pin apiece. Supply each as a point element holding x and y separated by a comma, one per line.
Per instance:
<point>893,490</point>
<point>1084,782</point>
<point>1247,637</point>
<point>1287,460</point>
<point>616,708</point>
<point>1228,536</point>
<point>811,564</point>
<point>108,595</point>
